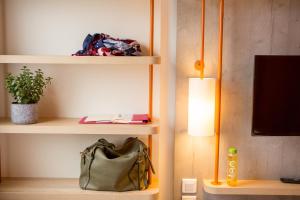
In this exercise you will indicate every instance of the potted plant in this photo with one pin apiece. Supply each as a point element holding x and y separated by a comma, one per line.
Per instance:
<point>26,89</point>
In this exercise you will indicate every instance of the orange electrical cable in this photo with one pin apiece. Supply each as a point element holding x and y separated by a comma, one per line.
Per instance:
<point>203,40</point>
<point>219,94</point>
<point>151,52</point>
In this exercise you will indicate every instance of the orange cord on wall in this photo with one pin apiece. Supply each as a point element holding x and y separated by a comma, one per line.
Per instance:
<point>218,95</point>
<point>200,64</point>
<point>151,52</point>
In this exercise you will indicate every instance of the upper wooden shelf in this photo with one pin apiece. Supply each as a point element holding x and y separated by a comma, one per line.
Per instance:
<point>92,60</point>
<point>52,189</point>
<point>71,126</point>
<point>253,187</point>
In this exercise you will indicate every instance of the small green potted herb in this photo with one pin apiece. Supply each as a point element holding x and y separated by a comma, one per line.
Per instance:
<point>26,89</point>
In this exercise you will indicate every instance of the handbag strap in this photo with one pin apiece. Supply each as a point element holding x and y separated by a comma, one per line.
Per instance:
<point>143,152</point>
<point>89,169</point>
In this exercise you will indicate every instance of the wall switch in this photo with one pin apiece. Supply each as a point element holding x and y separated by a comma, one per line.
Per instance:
<point>189,197</point>
<point>189,186</point>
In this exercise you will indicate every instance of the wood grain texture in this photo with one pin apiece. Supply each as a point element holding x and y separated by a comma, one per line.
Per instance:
<point>72,126</point>
<point>253,187</point>
<point>92,60</point>
<point>65,189</point>
<point>250,28</point>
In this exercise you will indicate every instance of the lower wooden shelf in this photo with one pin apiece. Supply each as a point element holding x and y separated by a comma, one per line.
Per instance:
<point>65,189</point>
<point>253,187</point>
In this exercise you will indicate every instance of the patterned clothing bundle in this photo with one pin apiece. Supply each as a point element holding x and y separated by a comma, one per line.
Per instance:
<point>105,45</point>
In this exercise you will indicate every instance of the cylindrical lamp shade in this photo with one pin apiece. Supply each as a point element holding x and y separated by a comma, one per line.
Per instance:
<point>201,107</point>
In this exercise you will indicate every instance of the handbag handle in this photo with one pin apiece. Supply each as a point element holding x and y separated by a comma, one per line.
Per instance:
<point>100,143</point>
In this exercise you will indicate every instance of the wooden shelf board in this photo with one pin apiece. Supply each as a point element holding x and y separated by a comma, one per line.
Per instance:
<point>65,189</point>
<point>253,187</point>
<point>97,60</point>
<point>71,126</point>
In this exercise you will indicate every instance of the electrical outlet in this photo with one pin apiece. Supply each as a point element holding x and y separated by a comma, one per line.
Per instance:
<point>189,197</point>
<point>189,186</point>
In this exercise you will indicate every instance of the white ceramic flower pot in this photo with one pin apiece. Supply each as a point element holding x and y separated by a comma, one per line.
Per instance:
<point>24,113</point>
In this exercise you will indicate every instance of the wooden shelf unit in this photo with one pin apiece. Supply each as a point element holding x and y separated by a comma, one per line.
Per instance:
<point>88,60</point>
<point>72,126</point>
<point>66,189</point>
<point>253,187</point>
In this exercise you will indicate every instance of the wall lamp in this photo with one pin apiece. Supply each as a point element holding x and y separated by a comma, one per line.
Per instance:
<point>204,104</point>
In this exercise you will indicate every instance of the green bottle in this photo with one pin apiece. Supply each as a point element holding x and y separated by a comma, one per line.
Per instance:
<point>232,167</point>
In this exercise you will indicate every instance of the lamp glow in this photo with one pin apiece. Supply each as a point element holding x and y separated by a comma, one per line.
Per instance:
<point>201,107</point>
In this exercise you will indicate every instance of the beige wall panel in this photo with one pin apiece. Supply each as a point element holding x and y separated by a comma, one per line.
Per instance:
<point>280,19</point>
<point>294,27</point>
<point>167,98</point>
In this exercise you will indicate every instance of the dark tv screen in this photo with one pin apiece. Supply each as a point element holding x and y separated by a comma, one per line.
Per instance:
<point>276,98</point>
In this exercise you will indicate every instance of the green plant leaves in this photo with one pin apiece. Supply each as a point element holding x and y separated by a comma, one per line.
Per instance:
<point>27,87</point>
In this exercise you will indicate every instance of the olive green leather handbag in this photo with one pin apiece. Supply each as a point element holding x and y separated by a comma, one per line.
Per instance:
<point>107,168</point>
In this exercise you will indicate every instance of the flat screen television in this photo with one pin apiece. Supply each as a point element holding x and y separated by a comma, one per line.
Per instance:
<point>276,98</point>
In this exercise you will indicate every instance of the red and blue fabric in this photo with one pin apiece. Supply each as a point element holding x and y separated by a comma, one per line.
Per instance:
<point>105,45</point>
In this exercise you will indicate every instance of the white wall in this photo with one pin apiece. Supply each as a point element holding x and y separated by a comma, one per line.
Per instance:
<point>59,27</point>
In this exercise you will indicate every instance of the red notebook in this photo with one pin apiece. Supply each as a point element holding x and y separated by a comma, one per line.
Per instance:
<point>116,119</point>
